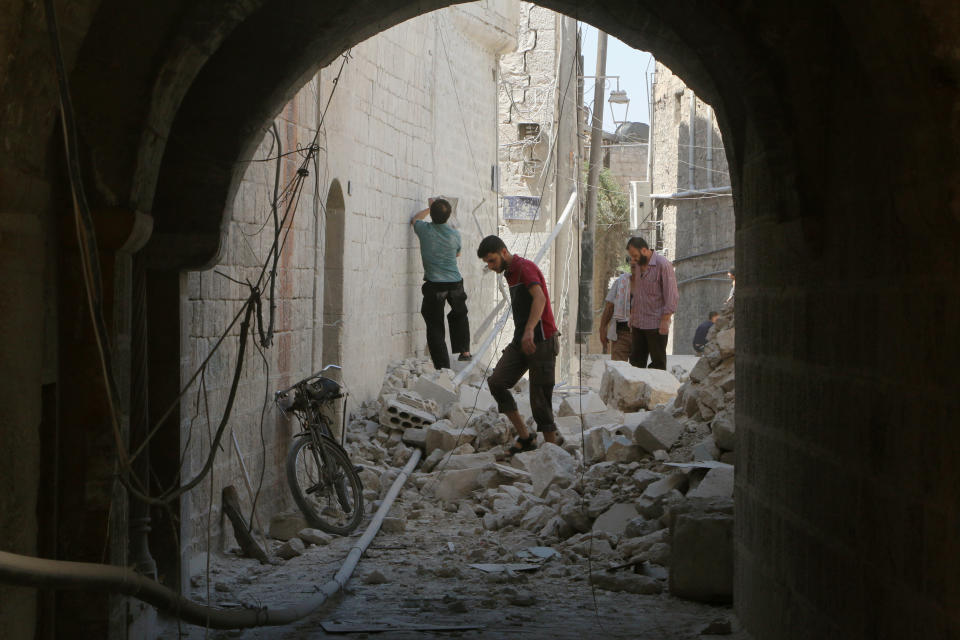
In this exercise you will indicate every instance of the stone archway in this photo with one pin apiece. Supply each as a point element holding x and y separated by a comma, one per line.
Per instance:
<point>846,490</point>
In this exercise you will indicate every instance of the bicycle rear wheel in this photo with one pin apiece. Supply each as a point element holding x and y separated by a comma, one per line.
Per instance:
<point>325,486</point>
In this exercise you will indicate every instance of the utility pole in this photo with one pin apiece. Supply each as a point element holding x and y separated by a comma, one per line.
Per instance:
<point>585,308</point>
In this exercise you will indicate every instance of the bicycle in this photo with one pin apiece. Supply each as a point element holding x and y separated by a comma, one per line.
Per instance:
<point>325,484</point>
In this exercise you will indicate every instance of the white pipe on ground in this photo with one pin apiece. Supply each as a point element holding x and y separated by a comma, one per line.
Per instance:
<point>59,574</point>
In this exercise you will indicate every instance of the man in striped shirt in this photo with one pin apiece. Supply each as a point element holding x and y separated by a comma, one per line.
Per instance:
<point>655,298</point>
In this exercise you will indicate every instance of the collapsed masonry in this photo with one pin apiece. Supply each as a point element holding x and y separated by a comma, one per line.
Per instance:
<point>643,483</point>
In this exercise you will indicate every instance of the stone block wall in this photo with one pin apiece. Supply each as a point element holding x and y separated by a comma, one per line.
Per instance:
<point>413,116</point>
<point>695,233</point>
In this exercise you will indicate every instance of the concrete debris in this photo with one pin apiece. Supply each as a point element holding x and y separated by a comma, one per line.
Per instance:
<point>375,577</point>
<point>615,519</point>
<point>718,483</point>
<point>706,449</point>
<point>657,430</point>
<point>285,526</point>
<point>702,557</point>
<point>552,466</point>
<point>724,430</point>
<point>444,435</point>
<point>629,388</point>
<point>406,411</point>
<point>626,581</point>
<point>291,549</point>
<point>581,405</point>
<point>314,536</point>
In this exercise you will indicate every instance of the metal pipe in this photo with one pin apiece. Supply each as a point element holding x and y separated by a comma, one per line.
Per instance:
<point>693,193</point>
<point>702,277</point>
<point>585,308</point>
<point>690,147</point>
<point>59,574</point>
<point>564,218</point>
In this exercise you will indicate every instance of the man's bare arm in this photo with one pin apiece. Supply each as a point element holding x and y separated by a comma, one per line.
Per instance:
<point>419,216</point>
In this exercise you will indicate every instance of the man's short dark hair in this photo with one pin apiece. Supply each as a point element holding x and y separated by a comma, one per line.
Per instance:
<point>637,243</point>
<point>732,272</point>
<point>440,211</point>
<point>713,314</point>
<point>490,244</point>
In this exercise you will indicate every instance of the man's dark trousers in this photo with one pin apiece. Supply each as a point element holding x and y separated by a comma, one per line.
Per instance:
<point>435,298</point>
<point>649,342</point>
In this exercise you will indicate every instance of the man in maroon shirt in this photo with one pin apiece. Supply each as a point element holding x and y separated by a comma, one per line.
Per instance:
<point>534,347</point>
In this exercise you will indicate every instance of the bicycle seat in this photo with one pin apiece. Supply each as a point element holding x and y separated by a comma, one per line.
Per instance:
<point>323,390</point>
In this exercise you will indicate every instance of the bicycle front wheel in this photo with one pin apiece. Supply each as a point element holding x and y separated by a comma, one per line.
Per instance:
<point>325,486</point>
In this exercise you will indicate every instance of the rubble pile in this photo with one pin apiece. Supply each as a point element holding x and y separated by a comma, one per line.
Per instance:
<point>641,481</point>
<point>708,397</point>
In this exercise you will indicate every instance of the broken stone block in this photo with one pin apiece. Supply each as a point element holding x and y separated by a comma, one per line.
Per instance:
<point>621,449</point>
<point>657,430</point>
<point>575,517</point>
<point>438,388</point>
<point>724,430</point>
<point>610,417</point>
<point>663,486</point>
<point>393,525</point>
<point>315,536</point>
<point>416,437</point>
<point>467,461</point>
<point>551,467</point>
<point>725,342</point>
<point>556,527</point>
<point>702,557</point>
<point>443,435</point>
<point>626,581</point>
<point>701,370</point>
<point>375,577</point>
<point>401,453</point>
<point>600,502</point>
<point>598,440</point>
<point>711,397</point>
<point>569,427</point>
<point>706,449</point>
<point>660,455</point>
<point>405,411</point>
<point>593,546</point>
<point>476,400</point>
<point>291,549</point>
<point>630,389</point>
<point>285,526</point>
<point>615,519</point>
<point>431,461</point>
<point>718,483</point>
<point>535,518</point>
<point>458,484</point>
<point>658,553</point>
<point>630,547</point>
<point>581,405</point>
<point>644,478</point>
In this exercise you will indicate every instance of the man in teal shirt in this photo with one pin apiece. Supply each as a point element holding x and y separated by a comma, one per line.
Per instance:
<point>439,250</point>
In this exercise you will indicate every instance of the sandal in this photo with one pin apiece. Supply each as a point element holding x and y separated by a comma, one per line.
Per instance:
<point>524,444</point>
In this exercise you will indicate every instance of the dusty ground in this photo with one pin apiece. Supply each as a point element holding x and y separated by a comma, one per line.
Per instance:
<point>428,581</point>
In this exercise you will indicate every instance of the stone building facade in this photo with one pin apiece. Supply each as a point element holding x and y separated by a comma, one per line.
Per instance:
<point>692,222</point>
<point>539,155</point>
<point>417,112</point>
<point>413,115</point>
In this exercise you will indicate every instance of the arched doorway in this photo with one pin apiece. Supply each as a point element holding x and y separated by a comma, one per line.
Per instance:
<point>332,226</point>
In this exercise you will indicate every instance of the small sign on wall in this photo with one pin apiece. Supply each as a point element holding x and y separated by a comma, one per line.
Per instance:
<point>521,208</point>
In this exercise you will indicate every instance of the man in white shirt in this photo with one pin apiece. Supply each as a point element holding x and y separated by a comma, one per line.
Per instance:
<point>617,309</point>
